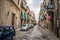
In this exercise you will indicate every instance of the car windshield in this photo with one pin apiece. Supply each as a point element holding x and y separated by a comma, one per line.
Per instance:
<point>7,29</point>
<point>24,25</point>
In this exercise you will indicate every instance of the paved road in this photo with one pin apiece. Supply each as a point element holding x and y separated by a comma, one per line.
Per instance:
<point>37,33</point>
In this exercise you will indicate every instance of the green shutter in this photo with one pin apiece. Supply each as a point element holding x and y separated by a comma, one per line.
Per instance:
<point>23,15</point>
<point>26,17</point>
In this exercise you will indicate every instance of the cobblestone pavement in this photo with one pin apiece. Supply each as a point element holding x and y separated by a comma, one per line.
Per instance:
<point>37,34</point>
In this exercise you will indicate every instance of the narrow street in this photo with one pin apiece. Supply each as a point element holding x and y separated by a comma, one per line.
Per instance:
<point>29,19</point>
<point>37,33</point>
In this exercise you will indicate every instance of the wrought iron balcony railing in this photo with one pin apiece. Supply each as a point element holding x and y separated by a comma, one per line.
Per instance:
<point>50,6</point>
<point>23,5</point>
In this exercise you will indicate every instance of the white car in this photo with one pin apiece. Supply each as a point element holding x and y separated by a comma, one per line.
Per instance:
<point>24,27</point>
<point>31,25</point>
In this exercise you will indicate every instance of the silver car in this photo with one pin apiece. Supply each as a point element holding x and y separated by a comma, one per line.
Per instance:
<point>24,27</point>
<point>31,25</point>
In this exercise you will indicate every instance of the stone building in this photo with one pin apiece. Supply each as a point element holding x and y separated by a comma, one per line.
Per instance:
<point>52,10</point>
<point>58,18</point>
<point>42,16</point>
<point>10,13</point>
<point>51,6</point>
<point>25,13</point>
<point>32,17</point>
<point>49,9</point>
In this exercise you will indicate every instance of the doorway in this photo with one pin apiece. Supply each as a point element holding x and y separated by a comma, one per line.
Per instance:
<point>51,20</point>
<point>13,17</point>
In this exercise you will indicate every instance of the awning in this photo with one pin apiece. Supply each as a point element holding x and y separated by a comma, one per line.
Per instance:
<point>23,15</point>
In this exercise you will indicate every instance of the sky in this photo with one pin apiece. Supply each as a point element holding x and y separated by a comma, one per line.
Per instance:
<point>34,5</point>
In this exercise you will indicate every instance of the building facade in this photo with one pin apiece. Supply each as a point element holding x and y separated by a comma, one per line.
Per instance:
<point>51,8</point>
<point>24,12</point>
<point>10,13</point>
<point>58,16</point>
<point>32,17</point>
<point>42,16</point>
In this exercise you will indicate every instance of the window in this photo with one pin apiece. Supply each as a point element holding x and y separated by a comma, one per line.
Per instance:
<point>51,1</point>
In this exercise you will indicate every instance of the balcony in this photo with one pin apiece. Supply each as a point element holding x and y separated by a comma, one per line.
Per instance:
<point>24,16</point>
<point>50,6</point>
<point>23,5</point>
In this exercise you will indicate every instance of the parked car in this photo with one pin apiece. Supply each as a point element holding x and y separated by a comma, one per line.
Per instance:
<point>7,32</point>
<point>24,27</point>
<point>31,25</point>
